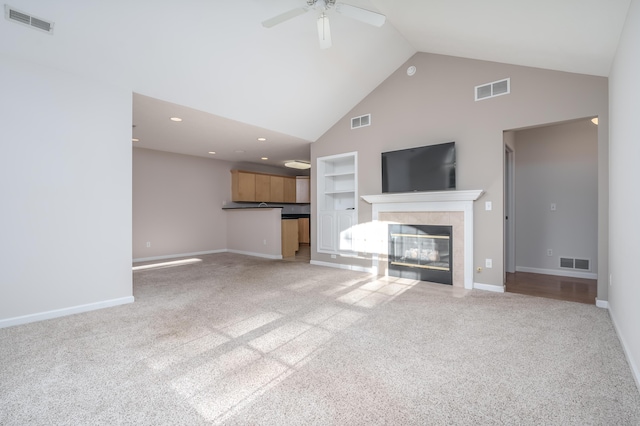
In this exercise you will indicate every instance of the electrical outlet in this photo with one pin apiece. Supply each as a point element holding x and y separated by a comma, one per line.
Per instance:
<point>549,252</point>
<point>264,242</point>
<point>610,280</point>
<point>488,263</point>
<point>333,256</point>
<point>148,244</point>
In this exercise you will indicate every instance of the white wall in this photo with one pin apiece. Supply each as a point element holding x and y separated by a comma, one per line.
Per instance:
<point>177,204</point>
<point>557,164</point>
<point>65,185</point>
<point>624,291</point>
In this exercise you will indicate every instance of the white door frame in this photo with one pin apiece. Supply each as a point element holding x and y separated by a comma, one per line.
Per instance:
<point>509,211</point>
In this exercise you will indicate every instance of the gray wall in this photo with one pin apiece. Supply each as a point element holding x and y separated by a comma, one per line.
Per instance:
<point>624,291</point>
<point>556,164</point>
<point>437,105</point>
<point>65,180</point>
<point>177,204</point>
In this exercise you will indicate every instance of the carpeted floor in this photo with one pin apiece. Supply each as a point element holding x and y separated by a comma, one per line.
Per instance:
<point>245,341</point>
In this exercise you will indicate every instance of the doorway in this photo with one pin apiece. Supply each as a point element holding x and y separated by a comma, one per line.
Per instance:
<point>550,210</point>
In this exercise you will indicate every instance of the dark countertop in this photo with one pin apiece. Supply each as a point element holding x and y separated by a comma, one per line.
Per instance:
<point>251,207</point>
<point>284,215</point>
<point>295,215</point>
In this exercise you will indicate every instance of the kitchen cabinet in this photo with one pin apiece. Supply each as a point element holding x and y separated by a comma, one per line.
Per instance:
<point>337,199</point>
<point>264,187</point>
<point>289,190</point>
<point>290,243</point>
<point>303,231</point>
<point>243,186</point>
<point>303,189</point>
<point>277,189</point>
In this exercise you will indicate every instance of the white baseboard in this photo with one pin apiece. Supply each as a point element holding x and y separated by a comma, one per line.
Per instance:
<point>342,266</point>
<point>250,253</point>
<point>625,348</point>
<point>602,303</point>
<point>172,256</point>
<point>558,272</point>
<point>41,316</point>
<point>489,287</point>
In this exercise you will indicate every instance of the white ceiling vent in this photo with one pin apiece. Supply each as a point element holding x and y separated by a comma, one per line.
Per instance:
<point>362,121</point>
<point>23,18</point>
<point>491,90</point>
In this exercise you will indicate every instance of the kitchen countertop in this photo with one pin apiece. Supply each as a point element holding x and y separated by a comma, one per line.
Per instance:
<point>284,215</point>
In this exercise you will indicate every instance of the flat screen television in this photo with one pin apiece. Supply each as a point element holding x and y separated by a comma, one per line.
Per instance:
<point>426,168</point>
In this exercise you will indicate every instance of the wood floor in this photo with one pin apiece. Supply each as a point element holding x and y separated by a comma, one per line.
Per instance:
<point>550,286</point>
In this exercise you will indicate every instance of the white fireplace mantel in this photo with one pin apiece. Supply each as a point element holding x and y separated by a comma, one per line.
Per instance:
<point>461,201</point>
<point>417,197</point>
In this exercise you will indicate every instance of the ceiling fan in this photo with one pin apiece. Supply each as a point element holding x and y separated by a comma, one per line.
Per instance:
<point>324,33</point>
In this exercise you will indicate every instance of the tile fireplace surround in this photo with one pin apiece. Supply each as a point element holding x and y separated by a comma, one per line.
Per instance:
<point>451,208</point>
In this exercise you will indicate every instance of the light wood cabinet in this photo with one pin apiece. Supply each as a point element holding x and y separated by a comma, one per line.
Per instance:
<point>267,188</point>
<point>290,190</point>
<point>289,237</point>
<point>303,231</point>
<point>277,189</point>
<point>263,188</point>
<point>243,186</point>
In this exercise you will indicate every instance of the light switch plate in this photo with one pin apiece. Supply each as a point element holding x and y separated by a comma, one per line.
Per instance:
<point>487,205</point>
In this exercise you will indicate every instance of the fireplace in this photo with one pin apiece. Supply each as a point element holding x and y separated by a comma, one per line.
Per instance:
<point>445,208</point>
<point>421,252</point>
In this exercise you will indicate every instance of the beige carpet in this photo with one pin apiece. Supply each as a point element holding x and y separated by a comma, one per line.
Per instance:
<point>239,340</point>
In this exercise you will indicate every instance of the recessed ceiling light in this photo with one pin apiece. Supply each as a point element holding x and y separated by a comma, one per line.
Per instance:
<point>135,140</point>
<point>411,70</point>
<point>265,158</point>
<point>176,119</point>
<point>212,152</point>
<point>595,120</point>
<point>297,164</point>
<point>239,151</point>
<point>262,139</point>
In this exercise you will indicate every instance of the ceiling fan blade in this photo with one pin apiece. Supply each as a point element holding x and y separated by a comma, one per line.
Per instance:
<point>284,17</point>
<point>363,15</point>
<point>324,32</point>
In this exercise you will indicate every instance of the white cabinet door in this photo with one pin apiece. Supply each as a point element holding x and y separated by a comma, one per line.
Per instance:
<point>345,220</point>
<point>326,231</point>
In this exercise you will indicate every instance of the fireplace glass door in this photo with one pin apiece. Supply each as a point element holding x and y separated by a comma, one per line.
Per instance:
<point>421,252</point>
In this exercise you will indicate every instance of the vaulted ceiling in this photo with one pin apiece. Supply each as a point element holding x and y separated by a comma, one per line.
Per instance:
<point>231,80</point>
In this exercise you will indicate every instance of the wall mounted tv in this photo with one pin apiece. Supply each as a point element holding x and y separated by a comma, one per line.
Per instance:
<point>426,168</point>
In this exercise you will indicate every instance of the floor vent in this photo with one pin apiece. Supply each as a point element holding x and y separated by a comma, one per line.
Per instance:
<point>362,121</point>
<point>491,90</point>
<point>19,17</point>
<point>573,263</point>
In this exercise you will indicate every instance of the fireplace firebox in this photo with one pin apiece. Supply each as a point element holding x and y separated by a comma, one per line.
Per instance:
<point>421,252</point>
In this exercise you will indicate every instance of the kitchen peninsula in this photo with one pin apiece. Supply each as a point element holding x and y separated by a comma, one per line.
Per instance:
<point>265,231</point>
<point>269,214</point>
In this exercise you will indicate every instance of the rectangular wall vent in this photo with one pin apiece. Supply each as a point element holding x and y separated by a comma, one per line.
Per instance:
<point>573,263</point>
<point>491,90</point>
<point>362,121</point>
<point>23,18</point>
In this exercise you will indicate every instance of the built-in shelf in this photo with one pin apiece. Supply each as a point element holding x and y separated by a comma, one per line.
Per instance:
<point>337,202</point>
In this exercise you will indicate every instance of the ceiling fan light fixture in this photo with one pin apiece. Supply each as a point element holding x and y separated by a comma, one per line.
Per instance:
<point>324,31</point>
<point>297,164</point>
